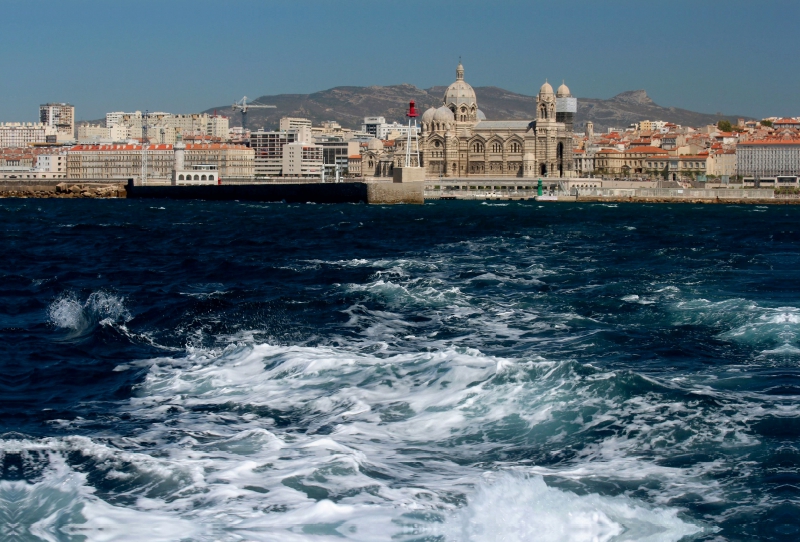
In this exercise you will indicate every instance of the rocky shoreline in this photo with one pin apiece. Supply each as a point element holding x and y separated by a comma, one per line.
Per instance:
<point>64,190</point>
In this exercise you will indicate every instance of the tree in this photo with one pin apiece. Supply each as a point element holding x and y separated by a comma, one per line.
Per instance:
<point>724,126</point>
<point>767,123</point>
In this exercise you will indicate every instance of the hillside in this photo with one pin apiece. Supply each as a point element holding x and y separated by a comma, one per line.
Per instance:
<point>349,105</point>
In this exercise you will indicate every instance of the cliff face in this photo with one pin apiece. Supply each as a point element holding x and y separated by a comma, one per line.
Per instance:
<point>349,105</point>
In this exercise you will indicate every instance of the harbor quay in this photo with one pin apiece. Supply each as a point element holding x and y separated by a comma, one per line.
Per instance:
<point>592,189</point>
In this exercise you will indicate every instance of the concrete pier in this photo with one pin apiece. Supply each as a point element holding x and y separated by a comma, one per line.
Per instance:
<point>380,192</point>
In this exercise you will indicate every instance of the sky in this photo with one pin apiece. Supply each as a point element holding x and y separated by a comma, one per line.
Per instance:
<point>736,57</point>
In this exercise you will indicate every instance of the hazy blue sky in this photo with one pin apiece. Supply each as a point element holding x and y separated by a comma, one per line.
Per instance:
<point>737,57</point>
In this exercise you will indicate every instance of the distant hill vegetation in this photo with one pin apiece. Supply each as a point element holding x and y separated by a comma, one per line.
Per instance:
<point>349,105</point>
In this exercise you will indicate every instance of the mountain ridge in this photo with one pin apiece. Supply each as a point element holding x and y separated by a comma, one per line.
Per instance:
<point>348,105</point>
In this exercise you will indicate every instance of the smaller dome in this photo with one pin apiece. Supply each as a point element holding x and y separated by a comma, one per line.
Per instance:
<point>480,115</point>
<point>563,91</point>
<point>546,88</point>
<point>443,114</point>
<point>427,116</point>
<point>375,144</point>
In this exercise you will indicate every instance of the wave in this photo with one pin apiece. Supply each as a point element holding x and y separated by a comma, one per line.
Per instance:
<point>100,308</point>
<point>61,504</point>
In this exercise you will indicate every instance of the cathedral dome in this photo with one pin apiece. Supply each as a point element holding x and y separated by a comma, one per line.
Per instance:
<point>427,116</point>
<point>480,115</point>
<point>443,114</point>
<point>375,144</point>
<point>460,92</point>
<point>546,88</point>
<point>563,91</point>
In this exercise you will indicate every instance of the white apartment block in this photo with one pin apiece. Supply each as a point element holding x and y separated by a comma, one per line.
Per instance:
<point>163,128</point>
<point>52,163</point>
<point>294,123</point>
<point>23,134</point>
<point>302,160</point>
<point>370,125</point>
<point>768,158</point>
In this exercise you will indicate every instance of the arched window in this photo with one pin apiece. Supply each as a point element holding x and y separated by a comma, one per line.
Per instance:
<point>477,147</point>
<point>197,177</point>
<point>203,178</point>
<point>180,177</point>
<point>497,147</point>
<point>435,143</point>
<point>210,177</point>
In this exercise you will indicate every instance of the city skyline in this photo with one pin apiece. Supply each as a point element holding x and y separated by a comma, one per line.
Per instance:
<point>109,57</point>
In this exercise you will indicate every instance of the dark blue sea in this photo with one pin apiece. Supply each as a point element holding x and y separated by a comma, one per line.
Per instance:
<point>458,371</point>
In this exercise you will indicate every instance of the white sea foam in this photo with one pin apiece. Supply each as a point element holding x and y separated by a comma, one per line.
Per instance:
<point>515,508</point>
<point>775,329</point>
<point>100,307</point>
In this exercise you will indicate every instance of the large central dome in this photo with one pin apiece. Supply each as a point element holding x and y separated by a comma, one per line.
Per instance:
<point>460,92</point>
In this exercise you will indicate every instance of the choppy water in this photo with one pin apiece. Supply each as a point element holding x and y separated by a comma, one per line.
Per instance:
<point>450,372</point>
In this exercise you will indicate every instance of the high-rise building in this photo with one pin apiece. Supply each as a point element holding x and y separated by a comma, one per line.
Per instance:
<point>269,148</point>
<point>60,116</point>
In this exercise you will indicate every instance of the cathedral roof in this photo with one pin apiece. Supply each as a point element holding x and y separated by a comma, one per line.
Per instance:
<point>427,116</point>
<point>521,125</point>
<point>480,114</point>
<point>460,92</point>
<point>443,114</point>
<point>375,144</point>
<point>563,91</point>
<point>546,88</point>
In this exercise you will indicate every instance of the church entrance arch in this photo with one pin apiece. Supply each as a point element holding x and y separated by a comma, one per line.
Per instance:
<point>543,169</point>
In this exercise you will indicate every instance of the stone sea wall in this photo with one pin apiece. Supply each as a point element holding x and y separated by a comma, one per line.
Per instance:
<point>61,189</point>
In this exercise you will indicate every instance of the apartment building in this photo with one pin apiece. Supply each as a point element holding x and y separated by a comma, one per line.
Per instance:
<point>294,123</point>
<point>24,134</point>
<point>301,159</point>
<point>60,116</point>
<point>125,161</point>
<point>768,158</point>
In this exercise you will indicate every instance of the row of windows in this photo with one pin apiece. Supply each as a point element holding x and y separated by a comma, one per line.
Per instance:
<point>496,147</point>
<point>196,178</point>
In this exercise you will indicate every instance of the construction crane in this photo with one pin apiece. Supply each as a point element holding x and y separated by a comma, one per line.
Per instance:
<point>243,106</point>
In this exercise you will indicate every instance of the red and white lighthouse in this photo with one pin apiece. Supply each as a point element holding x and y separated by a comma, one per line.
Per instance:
<point>412,140</point>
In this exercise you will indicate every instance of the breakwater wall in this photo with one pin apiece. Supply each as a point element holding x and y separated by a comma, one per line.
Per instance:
<point>61,189</point>
<point>347,192</point>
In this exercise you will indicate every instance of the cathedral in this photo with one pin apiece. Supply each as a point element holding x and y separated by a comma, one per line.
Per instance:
<point>456,140</point>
